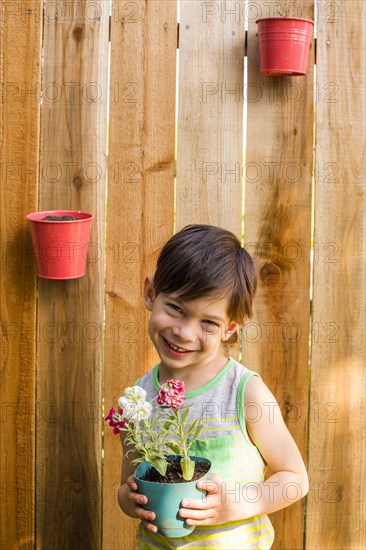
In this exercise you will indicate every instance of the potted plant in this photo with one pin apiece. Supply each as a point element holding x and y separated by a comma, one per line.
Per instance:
<point>284,44</point>
<point>60,240</point>
<point>166,473</point>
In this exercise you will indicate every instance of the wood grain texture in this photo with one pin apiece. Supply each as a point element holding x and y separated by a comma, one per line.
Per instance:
<point>277,230</point>
<point>70,313</point>
<point>20,65</point>
<point>140,210</point>
<point>210,116</point>
<point>336,503</point>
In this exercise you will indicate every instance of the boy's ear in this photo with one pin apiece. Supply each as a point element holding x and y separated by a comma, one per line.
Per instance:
<point>149,292</point>
<point>230,331</point>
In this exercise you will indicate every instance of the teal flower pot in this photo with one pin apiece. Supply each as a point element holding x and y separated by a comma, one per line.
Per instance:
<point>164,499</point>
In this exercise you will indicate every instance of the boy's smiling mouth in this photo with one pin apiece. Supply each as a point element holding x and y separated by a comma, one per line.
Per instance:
<point>175,349</point>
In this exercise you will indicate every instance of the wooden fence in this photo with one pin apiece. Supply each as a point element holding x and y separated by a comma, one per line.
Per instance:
<point>70,346</point>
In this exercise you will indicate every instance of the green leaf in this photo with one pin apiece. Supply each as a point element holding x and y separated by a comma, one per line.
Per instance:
<point>194,424</point>
<point>149,457</point>
<point>197,432</point>
<point>160,465</point>
<point>137,461</point>
<point>187,466</point>
<point>184,415</point>
<point>174,447</point>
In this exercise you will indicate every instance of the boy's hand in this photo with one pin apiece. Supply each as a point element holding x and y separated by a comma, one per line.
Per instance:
<point>217,507</point>
<point>131,503</point>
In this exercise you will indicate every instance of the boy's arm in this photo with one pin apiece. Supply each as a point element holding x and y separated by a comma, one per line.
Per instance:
<point>288,481</point>
<point>129,499</point>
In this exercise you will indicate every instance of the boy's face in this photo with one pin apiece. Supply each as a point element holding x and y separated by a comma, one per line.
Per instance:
<point>187,333</point>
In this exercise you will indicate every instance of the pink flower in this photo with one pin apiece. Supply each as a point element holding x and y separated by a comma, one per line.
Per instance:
<point>172,394</point>
<point>115,420</point>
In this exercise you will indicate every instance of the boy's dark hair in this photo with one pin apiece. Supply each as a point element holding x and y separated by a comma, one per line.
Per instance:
<point>205,260</point>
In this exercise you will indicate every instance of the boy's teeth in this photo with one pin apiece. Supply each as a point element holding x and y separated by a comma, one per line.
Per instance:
<point>176,348</point>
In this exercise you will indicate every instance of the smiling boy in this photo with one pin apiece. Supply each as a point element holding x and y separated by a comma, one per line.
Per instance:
<point>201,292</point>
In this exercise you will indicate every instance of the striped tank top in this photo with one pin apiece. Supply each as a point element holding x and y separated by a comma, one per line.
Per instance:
<point>224,440</point>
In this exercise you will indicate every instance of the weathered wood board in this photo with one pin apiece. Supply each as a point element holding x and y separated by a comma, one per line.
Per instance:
<point>277,231</point>
<point>210,117</point>
<point>70,313</point>
<point>336,502</point>
<point>20,70</point>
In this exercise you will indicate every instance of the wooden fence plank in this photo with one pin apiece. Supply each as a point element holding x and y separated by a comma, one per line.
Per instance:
<point>140,209</point>
<point>336,503</point>
<point>70,313</point>
<point>277,228</point>
<point>20,65</point>
<point>210,117</point>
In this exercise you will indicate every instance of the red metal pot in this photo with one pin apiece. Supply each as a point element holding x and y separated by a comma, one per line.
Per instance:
<point>284,44</point>
<point>61,247</point>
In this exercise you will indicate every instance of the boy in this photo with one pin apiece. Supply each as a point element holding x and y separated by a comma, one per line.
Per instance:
<point>201,292</point>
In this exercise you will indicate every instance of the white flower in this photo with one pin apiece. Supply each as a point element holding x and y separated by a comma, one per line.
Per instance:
<point>134,412</point>
<point>135,393</point>
<point>134,406</point>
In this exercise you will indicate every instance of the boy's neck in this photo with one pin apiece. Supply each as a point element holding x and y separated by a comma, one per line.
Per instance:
<point>193,376</point>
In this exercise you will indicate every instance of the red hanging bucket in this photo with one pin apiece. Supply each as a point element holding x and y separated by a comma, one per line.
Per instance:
<point>61,247</point>
<point>284,44</point>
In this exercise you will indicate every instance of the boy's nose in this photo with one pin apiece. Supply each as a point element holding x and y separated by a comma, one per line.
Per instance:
<point>183,331</point>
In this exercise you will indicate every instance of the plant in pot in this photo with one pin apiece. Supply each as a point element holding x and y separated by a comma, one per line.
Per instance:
<point>60,240</point>
<point>166,473</point>
<point>284,43</point>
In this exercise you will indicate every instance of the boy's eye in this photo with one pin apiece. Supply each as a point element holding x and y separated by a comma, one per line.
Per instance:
<point>176,308</point>
<point>210,325</point>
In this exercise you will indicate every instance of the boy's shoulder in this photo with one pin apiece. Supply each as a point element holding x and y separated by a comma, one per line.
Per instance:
<point>241,371</point>
<point>256,390</point>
